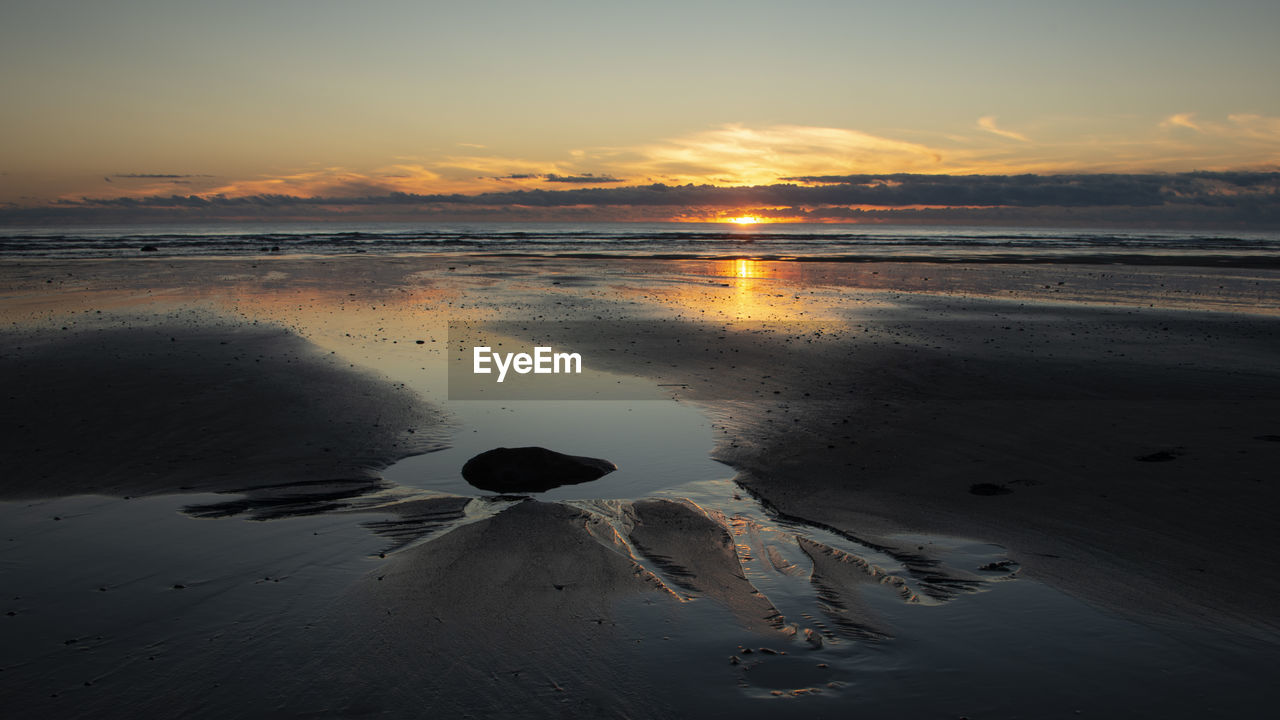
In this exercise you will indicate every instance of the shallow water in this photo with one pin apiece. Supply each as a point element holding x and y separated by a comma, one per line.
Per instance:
<point>1003,646</point>
<point>656,445</point>
<point>978,639</point>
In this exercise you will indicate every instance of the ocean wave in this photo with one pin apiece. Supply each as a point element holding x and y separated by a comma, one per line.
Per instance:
<point>836,243</point>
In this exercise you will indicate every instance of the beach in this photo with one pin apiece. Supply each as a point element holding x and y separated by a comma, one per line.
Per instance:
<point>629,361</point>
<point>983,489</point>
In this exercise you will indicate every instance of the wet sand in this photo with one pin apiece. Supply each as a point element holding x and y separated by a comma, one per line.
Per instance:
<point>1116,445</point>
<point>1098,432</point>
<point>158,406</point>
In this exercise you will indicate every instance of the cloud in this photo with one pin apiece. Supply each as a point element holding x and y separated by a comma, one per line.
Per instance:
<point>806,195</point>
<point>333,182</point>
<point>1247,200</point>
<point>1260,130</point>
<point>477,173</point>
<point>157,176</point>
<point>584,179</point>
<point>1076,190</point>
<point>752,156</point>
<point>738,156</point>
<point>1183,120</point>
<point>1257,127</point>
<point>1253,139</point>
<point>581,179</point>
<point>988,123</point>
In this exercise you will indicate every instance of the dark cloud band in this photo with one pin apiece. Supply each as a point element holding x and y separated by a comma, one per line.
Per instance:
<point>1241,198</point>
<point>156,176</point>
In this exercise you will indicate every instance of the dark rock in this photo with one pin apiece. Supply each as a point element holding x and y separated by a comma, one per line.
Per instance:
<point>148,248</point>
<point>989,489</point>
<point>531,469</point>
<point>1162,456</point>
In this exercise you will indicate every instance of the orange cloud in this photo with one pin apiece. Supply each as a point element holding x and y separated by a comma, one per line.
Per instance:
<point>739,155</point>
<point>988,123</point>
<point>1245,140</point>
<point>1239,126</point>
<point>1183,120</point>
<point>1257,127</point>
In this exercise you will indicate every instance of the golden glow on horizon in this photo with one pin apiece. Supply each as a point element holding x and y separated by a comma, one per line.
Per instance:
<point>212,122</point>
<point>744,220</point>
<point>733,155</point>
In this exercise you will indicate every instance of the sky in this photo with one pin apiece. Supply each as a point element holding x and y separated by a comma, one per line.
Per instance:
<point>140,100</point>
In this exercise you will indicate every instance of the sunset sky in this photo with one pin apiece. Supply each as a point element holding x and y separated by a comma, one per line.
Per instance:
<point>135,99</point>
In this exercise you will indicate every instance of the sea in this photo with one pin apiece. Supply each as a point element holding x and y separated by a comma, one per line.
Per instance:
<point>775,241</point>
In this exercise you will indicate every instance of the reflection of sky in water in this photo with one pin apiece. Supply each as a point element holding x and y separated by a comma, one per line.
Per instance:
<point>656,444</point>
<point>1005,640</point>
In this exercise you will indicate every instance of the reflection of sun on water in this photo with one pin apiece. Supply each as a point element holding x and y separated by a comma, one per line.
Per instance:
<point>747,300</point>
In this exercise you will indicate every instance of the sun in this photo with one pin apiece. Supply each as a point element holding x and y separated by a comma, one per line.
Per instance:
<point>745,220</point>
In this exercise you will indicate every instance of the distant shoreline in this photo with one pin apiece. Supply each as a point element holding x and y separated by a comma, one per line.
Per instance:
<point>661,241</point>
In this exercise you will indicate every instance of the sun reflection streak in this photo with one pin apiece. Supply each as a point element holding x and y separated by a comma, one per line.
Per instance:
<point>748,300</point>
